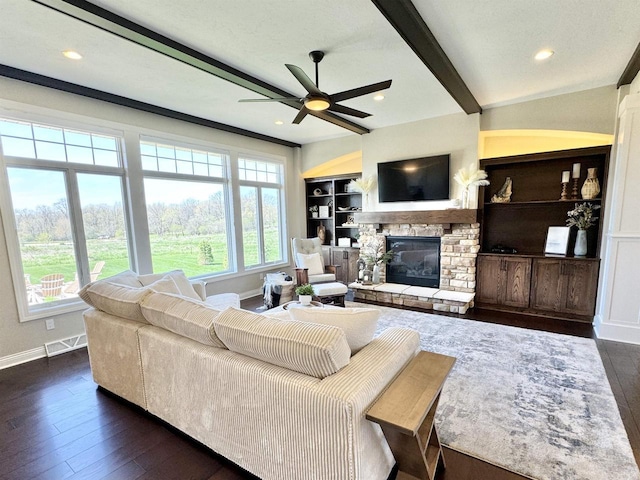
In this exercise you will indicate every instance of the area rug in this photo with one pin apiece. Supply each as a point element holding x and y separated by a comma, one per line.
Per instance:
<point>536,403</point>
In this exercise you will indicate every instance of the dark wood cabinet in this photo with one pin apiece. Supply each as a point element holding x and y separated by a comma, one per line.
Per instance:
<point>529,281</point>
<point>503,280</point>
<point>347,259</point>
<point>565,286</point>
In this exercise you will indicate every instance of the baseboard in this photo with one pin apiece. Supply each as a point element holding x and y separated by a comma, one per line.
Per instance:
<point>22,357</point>
<point>251,293</point>
<point>617,332</point>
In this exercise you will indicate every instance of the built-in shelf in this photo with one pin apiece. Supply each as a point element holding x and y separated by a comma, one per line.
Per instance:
<point>541,202</point>
<point>452,215</point>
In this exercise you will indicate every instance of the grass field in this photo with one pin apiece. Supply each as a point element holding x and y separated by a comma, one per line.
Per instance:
<point>168,253</point>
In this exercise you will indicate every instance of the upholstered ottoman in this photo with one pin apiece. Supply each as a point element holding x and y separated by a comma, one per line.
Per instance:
<point>330,293</point>
<point>223,300</point>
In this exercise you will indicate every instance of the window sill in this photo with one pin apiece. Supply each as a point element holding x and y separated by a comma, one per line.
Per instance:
<point>53,310</point>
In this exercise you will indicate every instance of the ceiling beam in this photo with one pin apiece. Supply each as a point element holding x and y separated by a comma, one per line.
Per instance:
<point>110,22</point>
<point>632,69</point>
<point>404,17</point>
<point>44,81</point>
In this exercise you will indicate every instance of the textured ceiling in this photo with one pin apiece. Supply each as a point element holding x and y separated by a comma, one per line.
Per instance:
<point>491,43</point>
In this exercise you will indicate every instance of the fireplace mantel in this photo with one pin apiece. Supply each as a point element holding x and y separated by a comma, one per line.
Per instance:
<point>452,215</point>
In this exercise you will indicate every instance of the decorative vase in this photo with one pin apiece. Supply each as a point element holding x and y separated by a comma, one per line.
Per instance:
<point>591,187</point>
<point>580,248</point>
<point>465,197</point>
<point>376,274</point>
<point>304,299</point>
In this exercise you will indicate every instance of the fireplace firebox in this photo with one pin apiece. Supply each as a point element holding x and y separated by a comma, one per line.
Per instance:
<point>416,261</point>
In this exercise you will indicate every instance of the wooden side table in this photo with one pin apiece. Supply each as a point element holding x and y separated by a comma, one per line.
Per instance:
<point>406,412</point>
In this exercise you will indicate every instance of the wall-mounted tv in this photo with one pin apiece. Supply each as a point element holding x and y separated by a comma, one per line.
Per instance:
<point>425,178</point>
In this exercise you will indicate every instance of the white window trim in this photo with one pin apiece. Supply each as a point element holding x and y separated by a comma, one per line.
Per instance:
<point>70,169</point>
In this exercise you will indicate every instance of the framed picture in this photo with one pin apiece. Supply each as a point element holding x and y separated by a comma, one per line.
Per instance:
<point>557,240</point>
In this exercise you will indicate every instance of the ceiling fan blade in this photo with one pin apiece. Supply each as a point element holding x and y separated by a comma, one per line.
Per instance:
<point>278,99</point>
<point>358,92</point>
<point>301,114</point>
<point>303,79</point>
<point>348,111</point>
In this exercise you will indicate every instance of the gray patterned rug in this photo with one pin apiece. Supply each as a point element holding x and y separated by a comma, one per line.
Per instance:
<point>535,403</point>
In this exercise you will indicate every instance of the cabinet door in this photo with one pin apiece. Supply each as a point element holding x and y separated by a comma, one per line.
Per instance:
<point>548,285</point>
<point>581,279</point>
<point>340,258</point>
<point>488,284</point>
<point>516,281</point>
<point>352,273</point>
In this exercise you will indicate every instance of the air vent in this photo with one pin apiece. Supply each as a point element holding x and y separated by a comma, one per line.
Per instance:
<point>65,345</point>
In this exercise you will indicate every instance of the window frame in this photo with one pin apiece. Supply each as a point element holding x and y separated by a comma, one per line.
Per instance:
<point>69,170</point>
<point>280,186</point>
<point>226,183</point>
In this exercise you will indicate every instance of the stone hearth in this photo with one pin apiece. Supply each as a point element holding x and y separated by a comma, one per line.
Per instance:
<point>460,244</point>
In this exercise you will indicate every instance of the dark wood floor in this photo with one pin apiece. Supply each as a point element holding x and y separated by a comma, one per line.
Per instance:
<point>55,424</point>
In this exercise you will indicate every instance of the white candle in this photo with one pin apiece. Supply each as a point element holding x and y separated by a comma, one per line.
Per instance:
<point>576,171</point>
<point>565,177</point>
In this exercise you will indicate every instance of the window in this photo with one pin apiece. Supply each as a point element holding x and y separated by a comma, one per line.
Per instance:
<point>65,187</point>
<point>187,208</point>
<point>261,210</point>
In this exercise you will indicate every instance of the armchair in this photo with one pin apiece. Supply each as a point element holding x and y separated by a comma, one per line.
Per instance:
<point>310,264</point>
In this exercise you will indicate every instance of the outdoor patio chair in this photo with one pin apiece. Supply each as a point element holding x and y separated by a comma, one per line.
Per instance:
<point>51,285</point>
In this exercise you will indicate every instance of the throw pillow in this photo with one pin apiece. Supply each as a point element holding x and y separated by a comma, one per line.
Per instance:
<point>183,316</point>
<point>316,350</point>
<point>127,278</point>
<point>178,276</point>
<point>165,285</point>
<point>312,261</point>
<point>358,324</point>
<point>119,300</point>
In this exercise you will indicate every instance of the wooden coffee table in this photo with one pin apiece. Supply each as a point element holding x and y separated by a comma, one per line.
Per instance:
<point>406,412</point>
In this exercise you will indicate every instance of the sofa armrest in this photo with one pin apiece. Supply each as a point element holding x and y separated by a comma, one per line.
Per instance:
<point>373,368</point>
<point>200,287</point>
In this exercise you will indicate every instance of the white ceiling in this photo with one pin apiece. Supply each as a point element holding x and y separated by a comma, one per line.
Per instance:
<point>490,42</point>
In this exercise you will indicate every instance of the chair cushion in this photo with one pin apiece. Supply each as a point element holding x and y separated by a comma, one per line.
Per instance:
<point>183,316</point>
<point>312,349</point>
<point>334,288</point>
<point>312,261</point>
<point>358,324</point>
<point>178,276</point>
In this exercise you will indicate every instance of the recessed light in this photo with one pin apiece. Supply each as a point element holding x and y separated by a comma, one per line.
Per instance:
<point>72,54</point>
<point>378,97</point>
<point>279,122</point>
<point>543,54</point>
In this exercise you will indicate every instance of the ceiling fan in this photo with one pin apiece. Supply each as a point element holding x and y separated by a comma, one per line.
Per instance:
<point>317,100</point>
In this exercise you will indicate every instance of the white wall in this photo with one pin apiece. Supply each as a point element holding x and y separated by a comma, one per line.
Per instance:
<point>23,341</point>
<point>456,135</point>
<point>618,310</point>
<point>586,111</point>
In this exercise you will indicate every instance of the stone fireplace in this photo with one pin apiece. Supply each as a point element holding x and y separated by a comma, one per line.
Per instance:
<point>458,233</point>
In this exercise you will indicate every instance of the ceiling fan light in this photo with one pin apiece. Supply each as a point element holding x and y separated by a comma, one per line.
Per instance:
<point>317,104</point>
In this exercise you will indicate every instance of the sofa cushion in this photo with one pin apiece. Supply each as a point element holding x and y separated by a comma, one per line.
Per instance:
<point>127,278</point>
<point>358,324</point>
<point>312,349</point>
<point>116,299</point>
<point>178,276</point>
<point>184,316</point>
<point>312,261</point>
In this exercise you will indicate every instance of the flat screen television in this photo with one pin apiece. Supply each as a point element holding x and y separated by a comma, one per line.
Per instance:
<point>425,178</point>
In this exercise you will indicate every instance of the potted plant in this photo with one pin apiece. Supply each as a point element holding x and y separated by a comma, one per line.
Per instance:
<point>305,293</point>
<point>582,217</point>
<point>314,211</point>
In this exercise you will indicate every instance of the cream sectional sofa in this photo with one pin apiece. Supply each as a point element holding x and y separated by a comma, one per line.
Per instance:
<point>281,398</point>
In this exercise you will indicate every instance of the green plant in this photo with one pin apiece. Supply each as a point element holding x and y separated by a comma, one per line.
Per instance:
<point>206,254</point>
<point>582,216</point>
<point>305,289</point>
